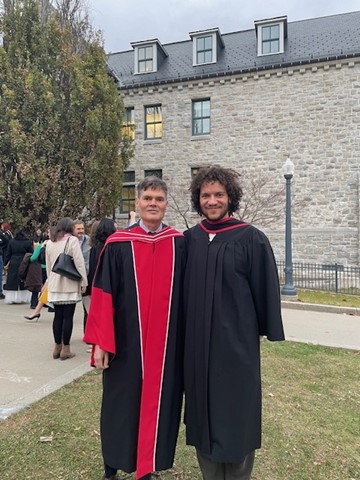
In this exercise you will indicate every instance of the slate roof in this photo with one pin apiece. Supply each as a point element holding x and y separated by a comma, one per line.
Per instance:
<point>308,41</point>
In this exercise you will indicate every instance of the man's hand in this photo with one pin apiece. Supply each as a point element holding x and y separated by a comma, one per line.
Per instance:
<point>101,358</point>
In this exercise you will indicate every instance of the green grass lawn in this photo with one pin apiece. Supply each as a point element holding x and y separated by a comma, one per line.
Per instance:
<point>328,298</point>
<point>311,405</point>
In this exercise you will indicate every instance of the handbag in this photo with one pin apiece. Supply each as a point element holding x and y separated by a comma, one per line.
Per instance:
<point>44,296</point>
<point>64,265</point>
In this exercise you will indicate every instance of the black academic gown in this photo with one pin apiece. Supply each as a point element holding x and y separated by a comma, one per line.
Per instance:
<point>135,314</point>
<point>232,297</point>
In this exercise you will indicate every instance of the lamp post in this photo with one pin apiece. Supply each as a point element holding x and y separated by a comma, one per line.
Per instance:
<point>288,289</point>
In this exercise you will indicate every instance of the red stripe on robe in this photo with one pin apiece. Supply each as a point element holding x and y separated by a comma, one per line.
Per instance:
<point>154,316</point>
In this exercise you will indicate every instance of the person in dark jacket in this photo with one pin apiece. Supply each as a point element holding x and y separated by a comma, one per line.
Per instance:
<point>105,228</point>
<point>100,231</point>
<point>30,273</point>
<point>14,288</point>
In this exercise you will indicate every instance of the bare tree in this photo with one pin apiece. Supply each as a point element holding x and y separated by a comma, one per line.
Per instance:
<point>262,203</point>
<point>178,209</point>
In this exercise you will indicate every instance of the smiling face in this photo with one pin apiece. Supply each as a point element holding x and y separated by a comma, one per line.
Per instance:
<point>214,201</point>
<point>79,230</point>
<point>151,205</point>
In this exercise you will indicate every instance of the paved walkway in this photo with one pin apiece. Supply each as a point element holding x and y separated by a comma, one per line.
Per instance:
<point>29,373</point>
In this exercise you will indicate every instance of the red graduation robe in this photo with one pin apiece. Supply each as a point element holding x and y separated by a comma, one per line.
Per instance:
<point>232,297</point>
<point>135,314</point>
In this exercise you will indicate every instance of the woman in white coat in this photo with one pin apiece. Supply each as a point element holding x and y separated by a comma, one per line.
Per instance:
<point>63,292</point>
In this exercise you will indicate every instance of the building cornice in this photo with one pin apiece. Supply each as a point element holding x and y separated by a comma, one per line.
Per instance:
<point>244,75</point>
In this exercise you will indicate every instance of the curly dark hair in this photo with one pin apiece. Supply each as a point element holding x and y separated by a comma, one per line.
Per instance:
<point>228,177</point>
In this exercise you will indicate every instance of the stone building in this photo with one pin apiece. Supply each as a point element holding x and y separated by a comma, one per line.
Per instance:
<point>248,100</point>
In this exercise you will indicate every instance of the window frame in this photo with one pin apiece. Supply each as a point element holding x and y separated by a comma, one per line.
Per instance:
<point>216,41</point>
<point>204,50</point>
<point>128,183</point>
<point>157,172</point>
<point>201,118</point>
<point>153,59</point>
<point>261,41</point>
<point>128,126</point>
<point>152,123</point>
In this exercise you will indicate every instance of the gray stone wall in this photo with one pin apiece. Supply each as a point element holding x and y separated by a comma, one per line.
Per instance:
<point>311,113</point>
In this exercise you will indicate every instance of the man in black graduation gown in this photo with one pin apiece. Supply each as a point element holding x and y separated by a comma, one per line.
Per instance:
<point>232,297</point>
<point>135,326</point>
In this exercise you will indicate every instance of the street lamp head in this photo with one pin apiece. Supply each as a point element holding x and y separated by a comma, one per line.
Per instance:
<point>288,168</point>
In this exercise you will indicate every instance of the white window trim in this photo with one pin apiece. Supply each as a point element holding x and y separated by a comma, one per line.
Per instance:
<point>281,38</point>
<point>155,59</point>
<point>217,42</point>
<point>214,48</point>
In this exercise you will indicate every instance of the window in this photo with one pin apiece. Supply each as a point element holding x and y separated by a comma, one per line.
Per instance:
<point>145,59</point>
<point>148,56</point>
<point>204,49</point>
<point>155,173</point>
<point>201,117</point>
<point>207,45</point>
<point>128,126</point>
<point>270,39</point>
<point>194,172</point>
<point>127,202</point>
<point>153,122</point>
<point>271,34</point>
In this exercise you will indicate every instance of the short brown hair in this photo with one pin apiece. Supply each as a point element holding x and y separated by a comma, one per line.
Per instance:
<point>152,182</point>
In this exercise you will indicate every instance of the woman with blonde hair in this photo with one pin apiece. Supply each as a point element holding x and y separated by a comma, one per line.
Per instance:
<point>63,292</point>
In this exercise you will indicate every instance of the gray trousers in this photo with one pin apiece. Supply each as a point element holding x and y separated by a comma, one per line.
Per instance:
<point>226,471</point>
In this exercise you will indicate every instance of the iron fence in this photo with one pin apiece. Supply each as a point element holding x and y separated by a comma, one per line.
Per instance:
<point>327,277</point>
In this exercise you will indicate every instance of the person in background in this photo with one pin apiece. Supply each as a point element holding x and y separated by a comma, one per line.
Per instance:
<point>98,235</point>
<point>39,255</point>
<point>86,296</point>
<point>79,232</point>
<point>38,236</point>
<point>4,240</point>
<point>14,288</point>
<point>232,297</point>
<point>5,227</point>
<point>104,229</point>
<point>132,218</point>
<point>135,325</point>
<point>63,292</point>
<point>84,242</point>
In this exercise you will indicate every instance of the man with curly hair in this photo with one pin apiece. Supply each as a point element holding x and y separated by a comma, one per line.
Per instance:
<point>232,297</point>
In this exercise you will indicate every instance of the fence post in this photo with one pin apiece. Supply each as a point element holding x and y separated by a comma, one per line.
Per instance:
<point>336,278</point>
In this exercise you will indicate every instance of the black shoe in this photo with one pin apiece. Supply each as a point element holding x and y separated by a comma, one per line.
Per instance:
<point>33,318</point>
<point>2,296</point>
<point>51,310</point>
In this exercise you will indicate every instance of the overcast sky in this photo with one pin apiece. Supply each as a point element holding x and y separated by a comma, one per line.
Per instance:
<point>125,21</point>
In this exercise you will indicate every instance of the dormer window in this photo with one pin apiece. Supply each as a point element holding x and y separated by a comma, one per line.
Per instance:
<point>204,49</point>
<point>271,34</point>
<point>146,59</point>
<point>206,46</point>
<point>148,55</point>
